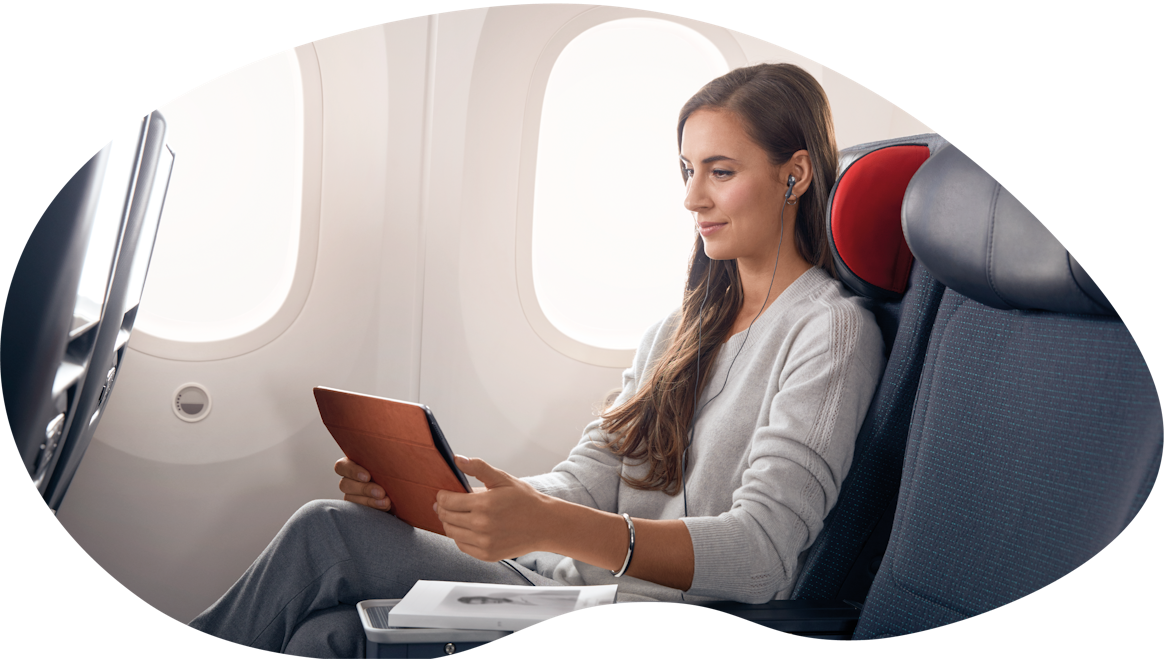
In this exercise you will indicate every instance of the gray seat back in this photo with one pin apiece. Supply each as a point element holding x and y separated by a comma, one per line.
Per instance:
<point>873,260</point>
<point>1036,434</point>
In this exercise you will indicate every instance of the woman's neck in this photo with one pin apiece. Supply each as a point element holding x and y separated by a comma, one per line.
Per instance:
<point>756,276</point>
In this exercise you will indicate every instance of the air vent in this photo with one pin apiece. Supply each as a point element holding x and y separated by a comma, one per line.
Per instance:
<point>191,402</point>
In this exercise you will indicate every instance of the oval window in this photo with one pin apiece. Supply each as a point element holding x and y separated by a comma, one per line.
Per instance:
<point>228,240</point>
<point>610,237</point>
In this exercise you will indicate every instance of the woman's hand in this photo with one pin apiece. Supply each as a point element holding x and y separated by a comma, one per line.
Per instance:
<point>358,487</point>
<point>511,518</point>
<point>504,520</point>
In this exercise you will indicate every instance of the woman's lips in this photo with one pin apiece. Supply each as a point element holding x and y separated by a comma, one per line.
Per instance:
<point>708,228</point>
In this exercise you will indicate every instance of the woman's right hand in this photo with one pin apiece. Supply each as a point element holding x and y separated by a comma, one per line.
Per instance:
<point>358,487</point>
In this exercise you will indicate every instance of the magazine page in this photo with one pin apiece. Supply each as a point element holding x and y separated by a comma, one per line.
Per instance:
<point>457,605</point>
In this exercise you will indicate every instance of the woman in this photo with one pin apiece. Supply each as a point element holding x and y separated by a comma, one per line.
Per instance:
<point>721,456</point>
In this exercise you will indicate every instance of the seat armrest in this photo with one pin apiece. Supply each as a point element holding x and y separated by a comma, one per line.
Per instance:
<point>818,619</point>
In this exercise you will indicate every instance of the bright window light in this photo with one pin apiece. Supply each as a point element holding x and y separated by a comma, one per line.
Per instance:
<point>610,237</point>
<point>228,240</point>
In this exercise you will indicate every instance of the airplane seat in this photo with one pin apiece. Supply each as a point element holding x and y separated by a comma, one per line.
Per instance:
<point>44,346</point>
<point>150,178</point>
<point>873,260</point>
<point>1036,433</point>
<point>61,344</point>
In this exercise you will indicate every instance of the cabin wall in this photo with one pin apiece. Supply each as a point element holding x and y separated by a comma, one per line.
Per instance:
<point>176,511</point>
<point>413,296</point>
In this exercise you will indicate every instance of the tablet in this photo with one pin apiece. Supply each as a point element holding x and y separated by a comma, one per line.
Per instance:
<point>401,446</point>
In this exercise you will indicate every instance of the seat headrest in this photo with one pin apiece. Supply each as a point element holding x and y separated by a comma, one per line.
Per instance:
<point>864,213</point>
<point>977,239</point>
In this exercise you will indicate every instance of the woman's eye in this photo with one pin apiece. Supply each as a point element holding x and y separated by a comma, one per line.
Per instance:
<point>688,172</point>
<point>721,173</point>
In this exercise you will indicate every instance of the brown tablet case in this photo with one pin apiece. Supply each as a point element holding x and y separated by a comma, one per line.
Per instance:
<point>392,440</point>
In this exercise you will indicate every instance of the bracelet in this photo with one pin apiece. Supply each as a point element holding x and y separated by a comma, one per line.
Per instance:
<point>630,548</point>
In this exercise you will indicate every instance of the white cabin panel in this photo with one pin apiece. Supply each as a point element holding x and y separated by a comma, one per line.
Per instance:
<point>397,359</point>
<point>176,511</point>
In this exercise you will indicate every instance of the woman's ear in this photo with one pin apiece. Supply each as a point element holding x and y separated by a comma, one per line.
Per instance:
<point>800,166</point>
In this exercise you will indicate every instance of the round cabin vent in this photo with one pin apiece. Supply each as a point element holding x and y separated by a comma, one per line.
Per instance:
<point>191,402</point>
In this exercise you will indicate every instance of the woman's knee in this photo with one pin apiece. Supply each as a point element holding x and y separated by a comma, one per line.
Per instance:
<point>322,516</point>
<point>312,511</point>
<point>333,519</point>
<point>336,511</point>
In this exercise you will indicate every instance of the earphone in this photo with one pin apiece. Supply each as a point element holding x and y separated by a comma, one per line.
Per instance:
<point>699,343</point>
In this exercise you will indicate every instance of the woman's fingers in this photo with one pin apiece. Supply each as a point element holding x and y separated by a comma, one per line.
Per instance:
<point>365,494</point>
<point>377,503</point>
<point>370,490</point>
<point>469,542</point>
<point>348,469</point>
<point>358,487</point>
<point>456,501</point>
<point>483,471</point>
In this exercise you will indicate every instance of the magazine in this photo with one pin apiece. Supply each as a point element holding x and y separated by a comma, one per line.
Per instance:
<point>457,605</point>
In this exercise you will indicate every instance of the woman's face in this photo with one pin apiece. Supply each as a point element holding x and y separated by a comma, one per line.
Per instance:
<point>733,191</point>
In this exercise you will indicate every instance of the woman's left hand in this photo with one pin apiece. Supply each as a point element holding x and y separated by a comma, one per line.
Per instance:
<point>507,519</point>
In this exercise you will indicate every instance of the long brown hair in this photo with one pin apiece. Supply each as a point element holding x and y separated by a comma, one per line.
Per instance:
<point>784,110</point>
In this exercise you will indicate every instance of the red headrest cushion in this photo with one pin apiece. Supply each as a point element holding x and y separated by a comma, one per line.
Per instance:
<point>865,215</point>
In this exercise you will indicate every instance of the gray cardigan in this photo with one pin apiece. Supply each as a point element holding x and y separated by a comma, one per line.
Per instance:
<point>768,456</point>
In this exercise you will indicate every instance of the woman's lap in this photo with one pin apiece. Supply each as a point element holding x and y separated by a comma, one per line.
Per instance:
<point>329,556</point>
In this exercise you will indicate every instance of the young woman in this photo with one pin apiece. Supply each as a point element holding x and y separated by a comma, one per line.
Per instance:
<point>721,456</point>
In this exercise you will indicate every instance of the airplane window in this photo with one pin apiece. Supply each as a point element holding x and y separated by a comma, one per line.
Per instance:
<point>610,237</point>
<point>227,246</point>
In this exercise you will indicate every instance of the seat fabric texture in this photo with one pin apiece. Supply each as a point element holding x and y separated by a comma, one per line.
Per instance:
<point>843,559</point>
<point>1035,440</point>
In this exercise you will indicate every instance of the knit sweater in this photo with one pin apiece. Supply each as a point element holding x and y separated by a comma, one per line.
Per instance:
<point>769,452</point>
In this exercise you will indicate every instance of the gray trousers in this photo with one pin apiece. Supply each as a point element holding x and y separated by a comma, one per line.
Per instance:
<point>300,594</point>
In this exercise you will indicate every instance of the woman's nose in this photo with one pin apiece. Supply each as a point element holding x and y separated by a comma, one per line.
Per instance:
<point>696,198</point>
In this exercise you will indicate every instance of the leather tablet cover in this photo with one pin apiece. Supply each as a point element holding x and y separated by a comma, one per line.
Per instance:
<point>392,440</point>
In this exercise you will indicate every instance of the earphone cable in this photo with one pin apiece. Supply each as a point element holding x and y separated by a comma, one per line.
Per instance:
<point>699,347</point>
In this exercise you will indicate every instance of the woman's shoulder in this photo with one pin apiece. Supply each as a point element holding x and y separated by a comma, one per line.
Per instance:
<point>828,293</point>
<point>661,330</point>
<point>835,313</point>
<point>656,339</point>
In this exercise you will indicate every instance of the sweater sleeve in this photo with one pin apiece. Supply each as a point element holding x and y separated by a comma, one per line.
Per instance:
<point>590,475</point>
<point>796,461</point>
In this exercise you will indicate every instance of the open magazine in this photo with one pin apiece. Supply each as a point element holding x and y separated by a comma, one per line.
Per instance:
<point>457,605</point>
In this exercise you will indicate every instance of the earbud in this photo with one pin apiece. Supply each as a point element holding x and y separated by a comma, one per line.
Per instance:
<point>788,195</point>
